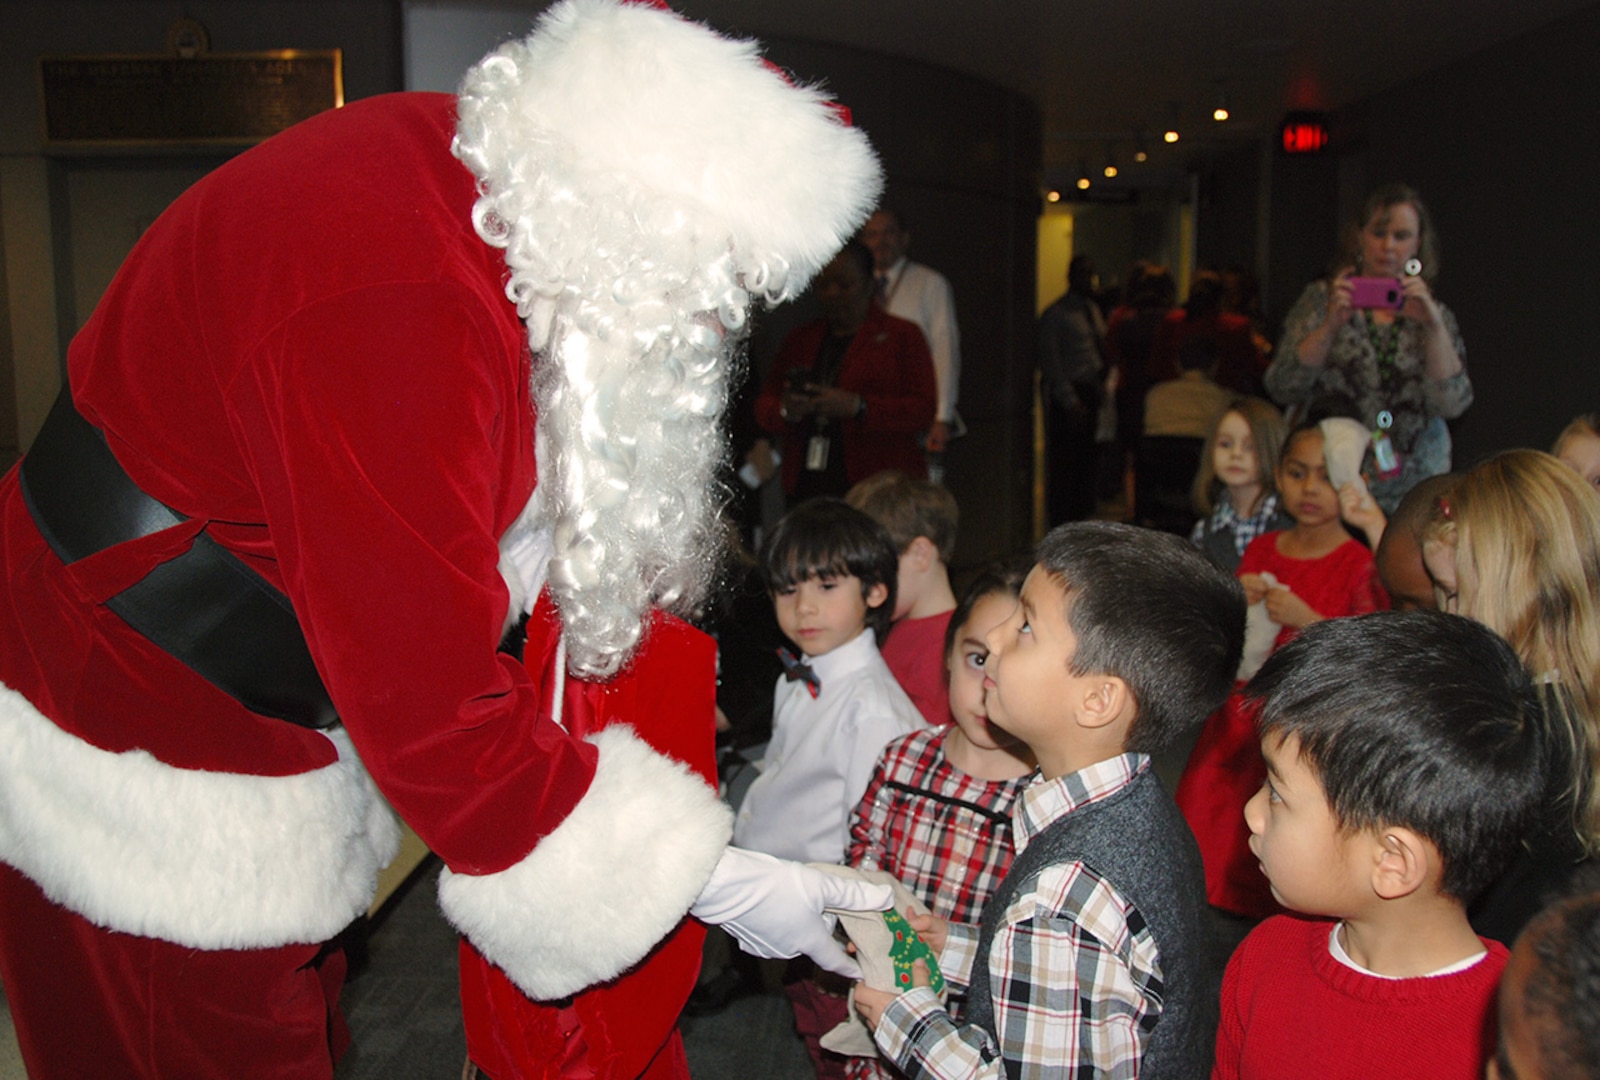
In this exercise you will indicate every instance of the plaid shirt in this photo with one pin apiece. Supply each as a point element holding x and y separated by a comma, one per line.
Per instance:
<point>1067,970</point>
<point>945,835</point>
<point>1225,519</point>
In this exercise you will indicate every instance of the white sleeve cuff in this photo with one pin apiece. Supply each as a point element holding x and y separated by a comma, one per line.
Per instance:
<point>607,884</point>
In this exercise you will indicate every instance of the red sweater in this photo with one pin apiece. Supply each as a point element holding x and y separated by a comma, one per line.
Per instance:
<point>914,652</point>
<point>1289,1009</point>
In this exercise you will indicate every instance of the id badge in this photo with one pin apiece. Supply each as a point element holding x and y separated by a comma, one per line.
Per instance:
<point>1384,455</point>
<point>817,454</point>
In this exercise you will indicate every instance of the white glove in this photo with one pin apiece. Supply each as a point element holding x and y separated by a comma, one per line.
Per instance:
<point>774,908</point>
<point>525,552</point>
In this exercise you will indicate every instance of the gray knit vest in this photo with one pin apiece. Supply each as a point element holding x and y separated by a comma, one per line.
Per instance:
<point>1138,842</point>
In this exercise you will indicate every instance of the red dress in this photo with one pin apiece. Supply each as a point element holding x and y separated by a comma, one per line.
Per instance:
<point>1226,768</point>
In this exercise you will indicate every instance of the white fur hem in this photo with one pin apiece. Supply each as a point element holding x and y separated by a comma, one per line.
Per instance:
<point>210,860</point>
<point>608,884</point>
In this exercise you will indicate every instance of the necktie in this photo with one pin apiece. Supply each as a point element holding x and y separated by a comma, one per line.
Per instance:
<point>796,669</point>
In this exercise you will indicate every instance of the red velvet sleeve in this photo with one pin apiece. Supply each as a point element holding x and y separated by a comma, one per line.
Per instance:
<point>385,485</point>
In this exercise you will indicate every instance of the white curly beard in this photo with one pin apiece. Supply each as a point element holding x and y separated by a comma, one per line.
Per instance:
<point>647,180</point>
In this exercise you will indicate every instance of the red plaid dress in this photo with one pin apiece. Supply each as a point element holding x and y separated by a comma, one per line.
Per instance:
<point>944,834</point>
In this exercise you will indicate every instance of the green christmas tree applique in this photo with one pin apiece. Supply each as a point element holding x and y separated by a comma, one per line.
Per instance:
<point>906,949</point>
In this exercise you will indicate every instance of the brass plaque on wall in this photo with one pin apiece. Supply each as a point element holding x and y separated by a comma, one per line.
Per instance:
<point>212,98</point>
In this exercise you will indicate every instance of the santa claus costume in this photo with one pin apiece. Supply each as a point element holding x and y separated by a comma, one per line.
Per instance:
<point>326,359</point>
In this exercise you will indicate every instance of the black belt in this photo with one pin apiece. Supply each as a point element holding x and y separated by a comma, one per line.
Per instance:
<point>205,607</point>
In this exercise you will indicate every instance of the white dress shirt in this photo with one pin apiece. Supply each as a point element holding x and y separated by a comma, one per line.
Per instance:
<point>822,754</point>
<point>922,295</point>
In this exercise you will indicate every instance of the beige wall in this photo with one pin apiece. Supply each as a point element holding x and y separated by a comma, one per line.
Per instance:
<point>68,218</point>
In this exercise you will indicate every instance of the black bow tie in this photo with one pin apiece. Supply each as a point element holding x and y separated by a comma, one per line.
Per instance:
<point>795,669</point>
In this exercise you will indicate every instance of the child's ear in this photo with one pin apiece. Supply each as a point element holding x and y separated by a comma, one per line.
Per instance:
<point>877,594</point>
<point>1103,702</point>
<point>922,552</point>
<point>1403,861</point>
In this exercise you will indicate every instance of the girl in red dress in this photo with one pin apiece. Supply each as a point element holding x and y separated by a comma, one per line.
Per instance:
<point>1302,575</point>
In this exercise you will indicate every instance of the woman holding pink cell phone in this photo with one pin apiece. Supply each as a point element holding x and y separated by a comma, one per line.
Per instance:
<point>1374,333</point>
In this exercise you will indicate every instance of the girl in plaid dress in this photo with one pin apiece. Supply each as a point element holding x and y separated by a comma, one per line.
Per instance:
<point>937,812</point>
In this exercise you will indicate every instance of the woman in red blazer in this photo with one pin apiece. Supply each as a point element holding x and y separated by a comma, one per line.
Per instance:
<point>851,392</point>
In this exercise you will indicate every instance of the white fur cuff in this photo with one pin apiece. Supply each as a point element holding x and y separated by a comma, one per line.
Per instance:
<point>608,884</point>
<point>211,860</point>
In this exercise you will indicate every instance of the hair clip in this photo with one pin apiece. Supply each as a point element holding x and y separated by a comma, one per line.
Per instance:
<point>1445,510</point>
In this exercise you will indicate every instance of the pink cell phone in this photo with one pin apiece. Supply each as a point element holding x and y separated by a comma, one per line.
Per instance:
<point>1377,292</point>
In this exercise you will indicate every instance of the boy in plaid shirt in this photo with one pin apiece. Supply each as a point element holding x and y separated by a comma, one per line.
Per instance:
<point>1092,957</point>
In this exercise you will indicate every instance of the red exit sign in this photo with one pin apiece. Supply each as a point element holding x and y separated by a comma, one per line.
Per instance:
<point>1303,133</point>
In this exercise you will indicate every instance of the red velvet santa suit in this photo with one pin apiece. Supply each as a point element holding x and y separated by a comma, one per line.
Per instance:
<point>312,356</point>
<point>627,1027</point>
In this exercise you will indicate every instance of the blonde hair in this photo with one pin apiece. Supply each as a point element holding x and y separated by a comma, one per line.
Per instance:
<point>909,507</point>
<point>1583,424</point>
<point>1267,433</point>
<point>1526,533</point>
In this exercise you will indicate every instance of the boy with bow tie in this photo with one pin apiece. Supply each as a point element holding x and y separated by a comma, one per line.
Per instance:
<point>831,570</point>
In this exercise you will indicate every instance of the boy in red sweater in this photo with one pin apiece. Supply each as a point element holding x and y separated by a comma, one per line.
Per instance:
<point>921,517</point>
<point>1405,758</point>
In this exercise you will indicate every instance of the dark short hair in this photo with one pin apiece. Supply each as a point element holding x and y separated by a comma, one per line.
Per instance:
<point>860,254</point>
<point>909,507</point>
<point>1416,719</point>
<point>824,538</point>
<point>1205,294</point>
<point>1562,991</point>
<point>1150,609</point>
<point>1002,578</point>
<point>1080,274</point>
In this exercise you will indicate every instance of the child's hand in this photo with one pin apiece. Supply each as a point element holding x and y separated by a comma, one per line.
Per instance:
<point>1361,510</point>
<point>931,929</point>
<point>1255,588</point>
<point>1287,609</point>
<point>870,1001</point>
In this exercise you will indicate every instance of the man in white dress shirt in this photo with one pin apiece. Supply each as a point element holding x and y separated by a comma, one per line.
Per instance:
<point>921,294</point>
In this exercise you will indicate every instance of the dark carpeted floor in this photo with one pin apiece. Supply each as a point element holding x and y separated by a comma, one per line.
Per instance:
<point>404,1008</point>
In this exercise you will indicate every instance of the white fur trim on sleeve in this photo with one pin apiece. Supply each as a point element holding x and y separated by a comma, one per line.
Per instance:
<point>211,860</point>
<point>608,884</point>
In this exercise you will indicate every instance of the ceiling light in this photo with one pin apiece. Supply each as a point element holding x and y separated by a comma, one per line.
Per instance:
<point>1171,135</point>
<point>1111,164</point>
<point>1140,154</point>
<point>1220,113</point>
<point>1052,196</point>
